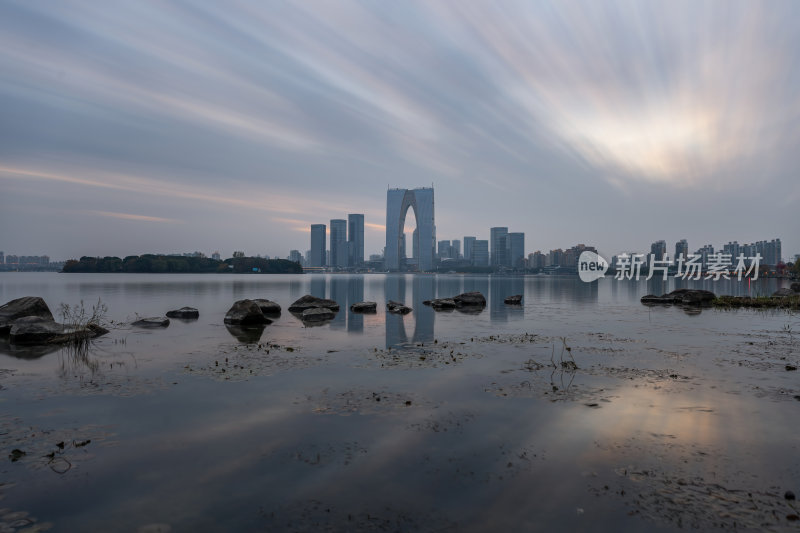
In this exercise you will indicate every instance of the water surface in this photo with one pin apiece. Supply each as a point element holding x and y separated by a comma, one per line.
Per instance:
<point>433,421</point>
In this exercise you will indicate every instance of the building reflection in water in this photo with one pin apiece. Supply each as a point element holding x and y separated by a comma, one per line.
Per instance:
<point>423,287</point>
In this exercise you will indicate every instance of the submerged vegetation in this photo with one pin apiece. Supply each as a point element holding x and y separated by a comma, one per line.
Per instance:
<point>757,302</point>
<point>150,263</point>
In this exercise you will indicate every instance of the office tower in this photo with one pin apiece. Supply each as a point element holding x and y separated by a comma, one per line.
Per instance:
<point>498,246</point>
<point>294,255</point>
<point>659,249</point>
<point>516,250</point>
<point>338,243</point>
<point>398,202</point>
<point>445,250</point>
<point>455,248</point>
<point>318,236</point>
<point>355,239</point>
<point>681,247</point>
<point>2,258</point>
<point>468,242</point>
<point>480,253</point>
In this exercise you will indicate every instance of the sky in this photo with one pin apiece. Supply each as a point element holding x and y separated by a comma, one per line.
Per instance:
<point>170,126</point>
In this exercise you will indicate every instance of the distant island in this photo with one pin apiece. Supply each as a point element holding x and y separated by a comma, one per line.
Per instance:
<point>169,264</point>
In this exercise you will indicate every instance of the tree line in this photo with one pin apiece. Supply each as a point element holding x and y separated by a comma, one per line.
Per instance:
<point>161,264</point>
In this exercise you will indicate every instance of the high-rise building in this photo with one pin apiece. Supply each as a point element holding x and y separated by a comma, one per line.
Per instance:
<point>2,258</point>
<point>480,253</point>
<point>733,249</point>
<point>355,239</point>
<point>705,253</point>
<point>455,248</point>
<point>415,243</point>
<point>659,249</point>
<point>397,203</point>
<point>498,245</point>
<point>215,256</point>
<point>318,236</point>
<point>338,243</point>
<point>516,250</point>
<point>468,242</point>
<point>445,250</point>
<point>294,255</point>
<point>681,247</point>
<point>536,260</point>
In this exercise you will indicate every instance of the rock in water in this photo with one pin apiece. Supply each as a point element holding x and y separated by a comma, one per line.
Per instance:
<point>443,303</point>
<point>310,302</point>
<point>25,306</point>
<point>244,313</point>
<point>268,307</point>
<point>364,307</point>
<point>397,307</point>
<point>318,314</point>
<point>470,298</point>
<point>184,312</point>
<point>513,300</point>
<point>34,330</point>
<point>151,322</point>
<point>783,292</point>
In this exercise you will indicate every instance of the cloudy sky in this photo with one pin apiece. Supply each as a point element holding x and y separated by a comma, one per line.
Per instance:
<point>133,127</point>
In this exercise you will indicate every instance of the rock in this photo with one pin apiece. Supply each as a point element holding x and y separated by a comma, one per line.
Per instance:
<point>681,296</point>
<point>364,307</point>
<point>653,299</point>
<point>692,296</point>
<point>470,298</point>
<point>245,313</point>
<point>184,312</point>
<point>268,307</point>
<point>789,495</point>
<point>25,306</point>
<point>318,314</point>
<point>443,303</point>
<point>397,307</point>
<point>34,330</point>
<point>795,287</point>
<point>513,300</point>
<point>427,302</point>
<point>310,302</point>
<point>785,291</point>
<point>791,368</point>
<point>151,322</point>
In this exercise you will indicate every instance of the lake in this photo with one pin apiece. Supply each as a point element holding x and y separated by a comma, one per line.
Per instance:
<point>580,410</point>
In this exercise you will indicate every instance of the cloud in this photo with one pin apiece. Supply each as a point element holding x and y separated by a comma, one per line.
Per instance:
<point>129,216</point>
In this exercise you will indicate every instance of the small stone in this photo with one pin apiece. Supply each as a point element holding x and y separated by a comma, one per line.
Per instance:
<point>791,367</point>
<point>789,495</point>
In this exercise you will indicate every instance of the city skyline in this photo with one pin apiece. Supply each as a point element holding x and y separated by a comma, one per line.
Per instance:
<point>563,121</point>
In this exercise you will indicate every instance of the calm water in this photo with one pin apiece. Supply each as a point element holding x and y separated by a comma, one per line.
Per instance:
<point>429,422</point>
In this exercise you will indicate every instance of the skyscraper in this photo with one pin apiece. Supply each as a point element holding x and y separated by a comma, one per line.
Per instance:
<point>318,245</point>
<point>498,246</point>
<point>338,243</point>
<point>516,250</point>
<point>468,241</point>
<point>397,203</point>
<point>681,247</point>
<point>456,249</point>
<point>659,249</point>
<point>480,253</point>
<point>355,239</point>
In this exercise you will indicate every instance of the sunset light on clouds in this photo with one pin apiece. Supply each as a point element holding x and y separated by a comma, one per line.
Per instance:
<point>247,122</point>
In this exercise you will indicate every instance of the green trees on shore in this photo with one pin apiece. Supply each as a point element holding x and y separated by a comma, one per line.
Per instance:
<point>157,264</point>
